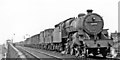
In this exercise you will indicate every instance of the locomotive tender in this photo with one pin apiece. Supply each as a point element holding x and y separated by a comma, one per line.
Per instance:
<point>86,30</point>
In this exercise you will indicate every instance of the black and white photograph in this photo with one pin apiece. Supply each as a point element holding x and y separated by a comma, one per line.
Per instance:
<point>59,29</point>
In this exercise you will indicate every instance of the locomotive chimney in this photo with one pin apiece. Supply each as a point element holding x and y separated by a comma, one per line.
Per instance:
<point>89,11</point>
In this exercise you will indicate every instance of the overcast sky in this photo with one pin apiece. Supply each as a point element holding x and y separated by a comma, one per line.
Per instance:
<point>21,17</point>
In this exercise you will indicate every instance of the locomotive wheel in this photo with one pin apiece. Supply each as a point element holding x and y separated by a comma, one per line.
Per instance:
<point>78,52</point>
<point>54,47</point>
<point>104,54</point>
<point>61,49</point>
<point>71,51</point>
<point>94,54</point>
<point>86,53</point>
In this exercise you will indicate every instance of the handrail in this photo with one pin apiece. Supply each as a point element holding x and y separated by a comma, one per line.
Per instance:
<point>20,54</point>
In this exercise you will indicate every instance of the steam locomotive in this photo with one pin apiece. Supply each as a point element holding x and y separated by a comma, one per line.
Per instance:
<point>82,35</point>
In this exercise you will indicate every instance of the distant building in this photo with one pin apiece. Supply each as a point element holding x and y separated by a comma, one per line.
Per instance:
<point>8,41</point>
<point>115,36</point>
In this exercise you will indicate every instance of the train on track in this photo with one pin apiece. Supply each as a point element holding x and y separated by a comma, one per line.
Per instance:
<point>83,35</point>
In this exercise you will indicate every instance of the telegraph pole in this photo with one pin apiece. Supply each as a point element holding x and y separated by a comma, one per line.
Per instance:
<point>119,16</point>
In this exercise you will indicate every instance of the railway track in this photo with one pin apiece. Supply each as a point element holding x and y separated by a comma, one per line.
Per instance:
<point>34,54</point>
<point>28,55</point>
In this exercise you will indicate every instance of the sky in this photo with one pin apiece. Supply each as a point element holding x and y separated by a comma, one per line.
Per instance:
<point>21,17</point>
